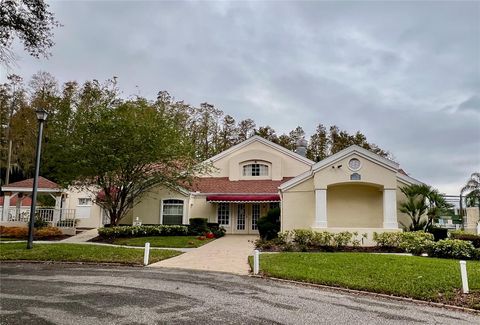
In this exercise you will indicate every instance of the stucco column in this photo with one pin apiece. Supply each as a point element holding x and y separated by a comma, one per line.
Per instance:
<point>6,206</point>
<point>320,208</point>
<point>390,209</point>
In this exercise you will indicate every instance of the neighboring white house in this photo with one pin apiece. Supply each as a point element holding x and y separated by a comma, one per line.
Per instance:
<point>70,204</point>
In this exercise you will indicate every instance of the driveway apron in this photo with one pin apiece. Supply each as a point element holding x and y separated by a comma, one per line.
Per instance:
<point>227,254</point>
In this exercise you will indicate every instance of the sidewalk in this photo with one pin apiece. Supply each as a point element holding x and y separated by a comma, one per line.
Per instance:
<point>82,237</point>
<point>226,254</point>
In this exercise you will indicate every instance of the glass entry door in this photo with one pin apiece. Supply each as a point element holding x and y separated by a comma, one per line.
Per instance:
<point>241,224</point>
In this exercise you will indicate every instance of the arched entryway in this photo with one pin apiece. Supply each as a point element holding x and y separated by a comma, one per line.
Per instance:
<point>355,206</point>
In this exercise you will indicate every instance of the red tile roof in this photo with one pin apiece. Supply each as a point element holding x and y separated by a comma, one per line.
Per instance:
<point>28,183</point>
<point>222,185</point>
<point>27,201</point>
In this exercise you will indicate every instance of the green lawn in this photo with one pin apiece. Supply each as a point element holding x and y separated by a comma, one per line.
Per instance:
<point>423,278</point>
<point>163,241</point>
<point>80,253</point>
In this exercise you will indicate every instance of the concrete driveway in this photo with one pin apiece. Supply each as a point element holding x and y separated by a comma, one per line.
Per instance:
<point>227,254</point>
<point>82,295</point>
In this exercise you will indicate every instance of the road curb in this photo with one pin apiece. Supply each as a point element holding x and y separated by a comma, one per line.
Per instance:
<point>69,263</point>
<point>372,294</point>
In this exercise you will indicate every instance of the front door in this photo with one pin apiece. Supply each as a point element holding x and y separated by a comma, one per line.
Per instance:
<point>254,216</point>
<point>241,224</point>
<point>245,218</point>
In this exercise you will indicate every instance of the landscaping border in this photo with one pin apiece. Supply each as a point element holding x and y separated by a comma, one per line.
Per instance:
<point>372,294</point>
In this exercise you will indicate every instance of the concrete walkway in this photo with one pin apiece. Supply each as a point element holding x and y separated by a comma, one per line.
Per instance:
<point>227,254</point>
<point>82,237</point>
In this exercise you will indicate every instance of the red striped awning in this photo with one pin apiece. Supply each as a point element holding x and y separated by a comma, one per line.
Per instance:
<point>253,198</point>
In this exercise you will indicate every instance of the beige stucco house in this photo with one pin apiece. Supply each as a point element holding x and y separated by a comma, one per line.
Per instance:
<point>353,190</point>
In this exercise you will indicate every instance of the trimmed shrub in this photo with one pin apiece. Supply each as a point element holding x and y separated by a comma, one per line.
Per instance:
<point>14,232</point>
<point>387,239</point>
<point>453,248</point>
<point>415,242</point>
<point>22,232</point>
<point>269,225</point>
<point>198,226</point>
<point>308,240</point>
<point>46,232</point>
<point>143,231</point>
<point>438,233</point>
<point>460,235</point>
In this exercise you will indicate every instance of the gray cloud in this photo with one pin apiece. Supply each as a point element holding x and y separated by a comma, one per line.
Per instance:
<point>471,104</point>
<point>407,74</point>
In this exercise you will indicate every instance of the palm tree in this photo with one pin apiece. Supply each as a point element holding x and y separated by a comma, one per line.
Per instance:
<point>424,204</point>
<point>473,189</point>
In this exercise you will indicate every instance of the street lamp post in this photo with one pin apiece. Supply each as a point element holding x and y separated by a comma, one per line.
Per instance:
<point>41,116</point>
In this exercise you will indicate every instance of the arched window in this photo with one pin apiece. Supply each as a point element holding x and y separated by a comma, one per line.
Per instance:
<point>172,212</point>
<point>255,170</point>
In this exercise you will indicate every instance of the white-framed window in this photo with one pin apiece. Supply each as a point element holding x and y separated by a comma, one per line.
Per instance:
<point>241,217</point>
<point>255,215</point>
<point>223,214</point>
<point>172,212</point>
<point>255,170</point>
<point>84,201</point>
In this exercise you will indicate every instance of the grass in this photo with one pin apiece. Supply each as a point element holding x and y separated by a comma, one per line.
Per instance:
<point>163,241</point>
<point>80,253</point>
<point>430,279</point>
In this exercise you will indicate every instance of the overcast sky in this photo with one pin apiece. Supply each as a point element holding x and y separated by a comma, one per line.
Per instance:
<point>406,74</point>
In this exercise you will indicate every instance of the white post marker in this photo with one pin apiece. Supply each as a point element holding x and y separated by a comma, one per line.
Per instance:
<point>256,261</point>
<point>146,254</point>
<point>463,272</point>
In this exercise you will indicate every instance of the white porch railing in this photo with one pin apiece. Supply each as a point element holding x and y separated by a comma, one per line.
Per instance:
<point>64,218</point>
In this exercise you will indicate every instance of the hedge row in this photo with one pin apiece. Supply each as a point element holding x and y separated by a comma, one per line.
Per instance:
<point>419,242</point>
<point>197,228</point>
<point>416,243</point>
<point>143,231</point>
<point>475,239</point>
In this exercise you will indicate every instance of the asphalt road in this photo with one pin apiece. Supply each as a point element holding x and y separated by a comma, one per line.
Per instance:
<point>73,294</point>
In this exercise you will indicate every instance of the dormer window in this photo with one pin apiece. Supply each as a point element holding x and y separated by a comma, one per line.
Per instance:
<point>255,170</point>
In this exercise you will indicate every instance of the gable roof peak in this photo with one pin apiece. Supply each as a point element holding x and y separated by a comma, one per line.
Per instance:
<point>358,150</point>
<point>257,138</point>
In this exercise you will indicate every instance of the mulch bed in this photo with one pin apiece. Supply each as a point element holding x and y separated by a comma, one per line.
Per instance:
<point>56,238</point>
<point>471,300</point>
<point>99,239</point>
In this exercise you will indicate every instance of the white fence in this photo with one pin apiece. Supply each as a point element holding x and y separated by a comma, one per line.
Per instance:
<point>64,218</point>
